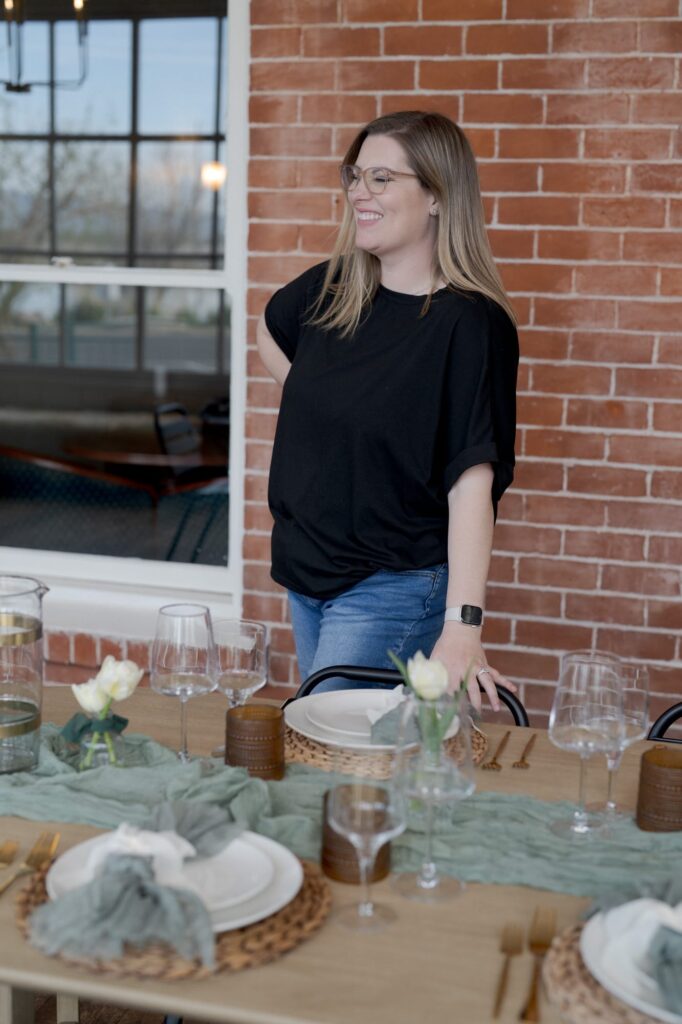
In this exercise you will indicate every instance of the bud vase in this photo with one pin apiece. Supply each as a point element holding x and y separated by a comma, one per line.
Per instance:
<point>98,749</point>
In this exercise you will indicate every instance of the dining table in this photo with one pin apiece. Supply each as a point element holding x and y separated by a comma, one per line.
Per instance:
<point>435,962</point>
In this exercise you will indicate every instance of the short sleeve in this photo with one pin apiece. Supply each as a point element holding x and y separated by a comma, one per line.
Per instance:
<point>286,311</point>
<point>480,395</point>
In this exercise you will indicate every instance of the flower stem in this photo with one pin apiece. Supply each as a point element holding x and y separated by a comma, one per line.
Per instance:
<point>110,747</point>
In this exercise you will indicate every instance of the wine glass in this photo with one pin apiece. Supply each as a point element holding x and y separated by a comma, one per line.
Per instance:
<point>183,660</point>
<point>635,692</point>
<point>369,813</point>
<point>433,774</point>
<point>586,718</point>
<point>242,661</point>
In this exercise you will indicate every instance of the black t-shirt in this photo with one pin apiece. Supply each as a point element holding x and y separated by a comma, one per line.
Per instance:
<point>376,427</point>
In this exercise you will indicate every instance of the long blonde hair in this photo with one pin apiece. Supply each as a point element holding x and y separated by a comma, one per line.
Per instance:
<point>439,153</point>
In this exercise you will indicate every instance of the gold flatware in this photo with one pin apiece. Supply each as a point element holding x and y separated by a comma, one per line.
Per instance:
<point>8,851</point>
<point>511,944</point>
<point>540,935</point>
<point>42,851</point>
<point>522,762</point>
<point>493,765</point>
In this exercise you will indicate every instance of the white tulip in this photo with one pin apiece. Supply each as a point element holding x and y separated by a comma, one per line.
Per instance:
<point>91,697</point>
<point>429,679</point>
<point>119,679</point>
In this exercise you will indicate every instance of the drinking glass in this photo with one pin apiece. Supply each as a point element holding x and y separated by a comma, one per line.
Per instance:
<point>241,657</point>
<point>369,813</point>
<point>586,718</point>
<point>183,660</point>
<point>433,776</point>
<point>635,692</point>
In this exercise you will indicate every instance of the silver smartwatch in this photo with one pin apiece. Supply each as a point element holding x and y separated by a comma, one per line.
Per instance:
<point>469,614</point>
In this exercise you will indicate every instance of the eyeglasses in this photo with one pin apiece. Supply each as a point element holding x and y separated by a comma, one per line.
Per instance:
<point>376,179</point>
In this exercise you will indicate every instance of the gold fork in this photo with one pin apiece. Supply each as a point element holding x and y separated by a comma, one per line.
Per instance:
<point>493,765</point>
<point>540,935</point>
<point>522,762</point>
<point>8,851</point>
<point>42,851</point>
<point>511,944</point>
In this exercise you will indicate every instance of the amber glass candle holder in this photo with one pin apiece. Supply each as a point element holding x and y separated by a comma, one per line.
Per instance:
<point>254,739</point>
<point>659,802</point>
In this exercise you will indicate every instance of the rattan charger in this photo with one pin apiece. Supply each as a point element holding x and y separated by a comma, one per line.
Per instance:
<point>375,765</point>
<point>576,993</point>
<point>251,946</point>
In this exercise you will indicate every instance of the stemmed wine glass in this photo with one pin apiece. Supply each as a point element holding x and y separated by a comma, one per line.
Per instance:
<point>369,813</point>
<point>432,776</point>
<point>635,692</point>
<point>183,660</point>
<point>586,718</point>
<point>242,661</point>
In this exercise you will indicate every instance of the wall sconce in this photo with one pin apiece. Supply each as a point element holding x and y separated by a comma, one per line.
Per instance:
<point>213,174</point>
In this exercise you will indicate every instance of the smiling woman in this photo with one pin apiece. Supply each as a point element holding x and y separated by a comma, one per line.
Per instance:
<point>395,438</point>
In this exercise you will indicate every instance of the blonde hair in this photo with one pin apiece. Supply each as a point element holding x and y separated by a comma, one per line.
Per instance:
<point>439,153</point>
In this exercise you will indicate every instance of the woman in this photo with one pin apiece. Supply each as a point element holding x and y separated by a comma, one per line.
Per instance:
<point>395,438</point>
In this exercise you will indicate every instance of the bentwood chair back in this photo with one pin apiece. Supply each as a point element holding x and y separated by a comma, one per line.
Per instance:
<point>387,678</point>
<point>663,723</point>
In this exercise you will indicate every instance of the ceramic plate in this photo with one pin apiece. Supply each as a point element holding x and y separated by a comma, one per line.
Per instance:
<point>345,711</point>
<point>236,875</point>
<point>286,881</point>
<point>592,941</point>
<point>297,717</point>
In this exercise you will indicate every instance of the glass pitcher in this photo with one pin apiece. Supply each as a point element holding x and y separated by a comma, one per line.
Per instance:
<point>21,671</point>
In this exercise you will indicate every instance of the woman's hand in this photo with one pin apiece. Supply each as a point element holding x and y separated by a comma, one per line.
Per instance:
<point>459,648</point>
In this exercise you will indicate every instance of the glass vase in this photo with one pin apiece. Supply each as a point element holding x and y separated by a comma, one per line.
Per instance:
<point>99,749</point>
<point>434,770</point>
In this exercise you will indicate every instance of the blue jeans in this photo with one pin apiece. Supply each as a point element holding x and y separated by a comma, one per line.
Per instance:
<point>398,611</point>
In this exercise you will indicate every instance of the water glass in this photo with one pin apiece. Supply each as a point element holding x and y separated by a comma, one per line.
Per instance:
<point>183,659</point>
<point>586,718</point>
<point>241,652</point>
<point>368,813</point>
<point>433,774</point>
<point>635,694</point>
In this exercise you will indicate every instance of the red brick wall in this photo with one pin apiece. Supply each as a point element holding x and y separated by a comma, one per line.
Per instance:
<point>573,109</point>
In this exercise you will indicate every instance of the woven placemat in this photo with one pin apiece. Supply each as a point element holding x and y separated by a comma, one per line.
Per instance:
<point>576,993</point>
<point>251,946</point>
<point>377,765</point>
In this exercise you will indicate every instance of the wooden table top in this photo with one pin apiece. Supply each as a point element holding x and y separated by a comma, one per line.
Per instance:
<point>439,962</point>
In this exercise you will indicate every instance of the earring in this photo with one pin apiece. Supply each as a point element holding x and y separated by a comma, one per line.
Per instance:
<point>433,211</point>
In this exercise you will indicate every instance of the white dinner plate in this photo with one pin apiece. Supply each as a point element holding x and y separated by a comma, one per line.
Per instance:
<point>592,942</point>
<point>345,711</point>
<point>297,716</point>
<point>286,881</point>
<point>234,876</point>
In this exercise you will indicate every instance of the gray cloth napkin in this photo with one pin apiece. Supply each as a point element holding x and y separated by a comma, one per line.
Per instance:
<point>386,730</point>
<point>123,905</point>
<point>208,828</point>
<point>665,954</point>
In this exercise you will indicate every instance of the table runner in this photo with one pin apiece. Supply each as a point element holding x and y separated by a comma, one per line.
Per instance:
<point>491,837</point>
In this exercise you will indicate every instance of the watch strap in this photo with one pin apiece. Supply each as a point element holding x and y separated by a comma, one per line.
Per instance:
<point>469,614</point>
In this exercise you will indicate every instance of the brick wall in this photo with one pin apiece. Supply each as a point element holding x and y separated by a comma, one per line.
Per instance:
<point>573,109</point>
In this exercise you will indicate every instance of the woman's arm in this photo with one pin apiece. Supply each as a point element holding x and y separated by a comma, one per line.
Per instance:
<point>276,363</point>
<point>470,541</point>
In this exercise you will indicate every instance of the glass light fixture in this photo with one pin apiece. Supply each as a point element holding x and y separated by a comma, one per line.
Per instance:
<point>213,174</point>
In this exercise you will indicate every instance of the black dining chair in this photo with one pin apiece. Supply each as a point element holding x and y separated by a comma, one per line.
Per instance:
<point>387,678</point>
<point>663,723</point>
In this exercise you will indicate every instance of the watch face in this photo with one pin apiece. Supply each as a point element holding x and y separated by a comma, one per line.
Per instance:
<point>472,615</point>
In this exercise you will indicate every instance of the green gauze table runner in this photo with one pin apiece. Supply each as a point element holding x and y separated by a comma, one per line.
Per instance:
<point>490,837</point>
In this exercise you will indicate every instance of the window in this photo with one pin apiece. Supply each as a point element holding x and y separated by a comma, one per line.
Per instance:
<point>116,317</point>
